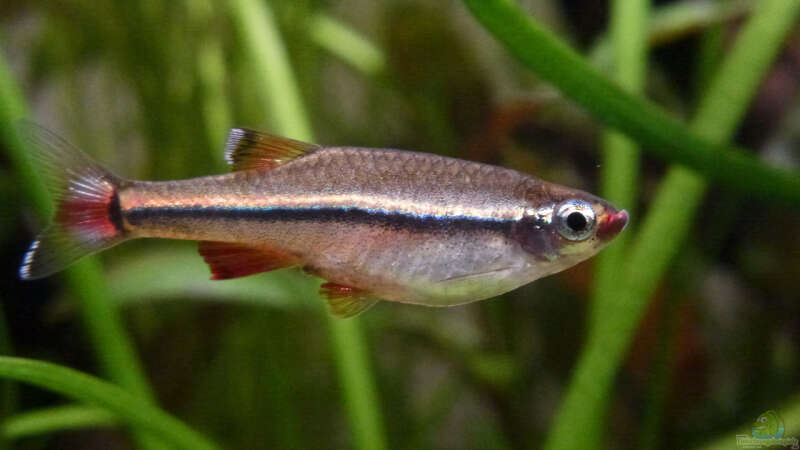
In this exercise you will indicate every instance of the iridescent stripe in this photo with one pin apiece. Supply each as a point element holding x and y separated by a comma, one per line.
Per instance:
<point>376,203</point>
<point>142,215</point>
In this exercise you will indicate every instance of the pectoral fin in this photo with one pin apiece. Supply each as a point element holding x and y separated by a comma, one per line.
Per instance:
<point>346,301</point>
<point>497,273</point>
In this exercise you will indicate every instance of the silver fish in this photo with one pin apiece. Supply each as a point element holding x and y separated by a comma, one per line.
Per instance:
<point>377,224</point>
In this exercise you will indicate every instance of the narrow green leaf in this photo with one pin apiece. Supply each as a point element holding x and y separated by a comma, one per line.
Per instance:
<point>656,130</point>
<point>84,279</point>
<point>269,61</point>
<point>675,21</point>
<point>355,375</point>
<point>665,228</point>
<point>347,44</point>
<point>216,113</point>
<point>59,418</point>
<point>266,53</point>
<point>621,155</point>
<point>130,408</point>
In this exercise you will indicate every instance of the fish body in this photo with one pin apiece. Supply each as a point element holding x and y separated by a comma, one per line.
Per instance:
<point>376,223</point>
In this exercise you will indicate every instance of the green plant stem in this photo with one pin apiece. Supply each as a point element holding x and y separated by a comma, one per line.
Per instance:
<point>12,108</point>
<point>211,77</point>
<point>128,407</point>
<point>84,280</point>
<point>355,375</point>
<point>620,154</point>
<point>270,63</point>
<point>726,100</point>
<point>674,21</point>
<point>665,228</point>
<point>8,389</point>
<point>710,52</point>
<point>347,44</point>
<point>266,52</point>
<point>656,130</point>
<point>216,114</point>
<point>59,418</point>
<point>661,363</point>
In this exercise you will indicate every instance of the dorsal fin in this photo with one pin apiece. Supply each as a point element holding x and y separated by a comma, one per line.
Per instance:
<point>249,149</point>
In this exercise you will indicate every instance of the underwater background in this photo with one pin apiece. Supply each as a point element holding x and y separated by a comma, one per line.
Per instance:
<point>679,336</point>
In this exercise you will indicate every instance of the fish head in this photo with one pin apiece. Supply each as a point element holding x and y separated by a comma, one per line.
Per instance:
<point>561,227</point>
<point>768,426</point>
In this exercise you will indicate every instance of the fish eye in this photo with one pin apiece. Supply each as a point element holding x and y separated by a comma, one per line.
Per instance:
<point>575,220</point>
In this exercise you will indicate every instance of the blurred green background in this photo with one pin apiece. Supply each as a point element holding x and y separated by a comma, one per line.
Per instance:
<point>684,348</point>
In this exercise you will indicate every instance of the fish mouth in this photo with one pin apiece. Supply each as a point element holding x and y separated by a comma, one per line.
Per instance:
<point>611,224</point>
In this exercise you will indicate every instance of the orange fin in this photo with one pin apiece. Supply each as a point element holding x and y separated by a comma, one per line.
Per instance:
<point>248,149</point>
<point>346,301</point>
<point>228,260</point>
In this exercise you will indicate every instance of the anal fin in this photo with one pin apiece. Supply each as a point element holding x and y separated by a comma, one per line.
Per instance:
<point>346,301</point>
<point>231,260</point>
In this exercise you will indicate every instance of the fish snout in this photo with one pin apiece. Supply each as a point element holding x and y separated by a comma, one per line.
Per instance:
<point>611,224</point>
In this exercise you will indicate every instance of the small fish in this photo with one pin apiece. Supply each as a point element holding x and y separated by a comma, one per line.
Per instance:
<point>768,426</point>
<point>377,224</point>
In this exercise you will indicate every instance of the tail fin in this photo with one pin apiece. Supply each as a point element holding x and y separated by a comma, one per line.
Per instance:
<point>87,217</point>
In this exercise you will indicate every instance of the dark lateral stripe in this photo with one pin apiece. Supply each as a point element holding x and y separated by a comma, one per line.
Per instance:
<point>161,214</point>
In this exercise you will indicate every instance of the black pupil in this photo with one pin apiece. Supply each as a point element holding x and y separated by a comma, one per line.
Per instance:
<point>576,221</point>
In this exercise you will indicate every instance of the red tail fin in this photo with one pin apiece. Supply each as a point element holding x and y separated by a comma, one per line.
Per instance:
<point>87,215</point>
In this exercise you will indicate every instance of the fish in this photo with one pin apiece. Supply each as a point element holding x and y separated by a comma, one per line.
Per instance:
<point>375,224</point>
<point>768,426</point>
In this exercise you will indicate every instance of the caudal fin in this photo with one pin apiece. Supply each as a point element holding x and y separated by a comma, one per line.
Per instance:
<point>87,217</point>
